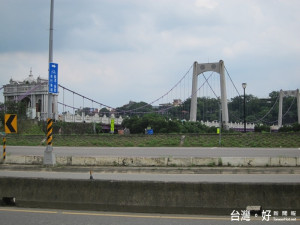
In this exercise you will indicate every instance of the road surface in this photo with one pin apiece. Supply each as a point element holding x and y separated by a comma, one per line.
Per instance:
<point>221,178</point>
<point>27,216</point>
<point>155,151</point>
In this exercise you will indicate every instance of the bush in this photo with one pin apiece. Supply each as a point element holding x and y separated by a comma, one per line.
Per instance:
<point>261,128</point>
<point>161,124</point>
<point>290,128</point>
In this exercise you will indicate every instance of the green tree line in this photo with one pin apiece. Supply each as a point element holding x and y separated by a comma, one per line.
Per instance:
<point>258,110</point>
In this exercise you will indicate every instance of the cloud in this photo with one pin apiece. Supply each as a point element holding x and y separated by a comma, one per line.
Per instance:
<point>121,50</point>
<point>208,4</point>
<point>239,48</point>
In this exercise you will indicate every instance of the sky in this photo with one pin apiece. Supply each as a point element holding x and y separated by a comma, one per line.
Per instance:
<point>116,51</point>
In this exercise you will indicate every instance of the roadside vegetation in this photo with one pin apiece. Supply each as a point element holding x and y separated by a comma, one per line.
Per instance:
<point>34,135</point>
<point>284,140</point>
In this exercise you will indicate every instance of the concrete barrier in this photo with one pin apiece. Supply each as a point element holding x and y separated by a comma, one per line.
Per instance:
<point>158,161</point>
<point>147,196</point>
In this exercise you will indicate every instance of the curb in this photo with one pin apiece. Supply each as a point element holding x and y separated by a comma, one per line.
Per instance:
<point>153,170</point>
<point>159,161</point>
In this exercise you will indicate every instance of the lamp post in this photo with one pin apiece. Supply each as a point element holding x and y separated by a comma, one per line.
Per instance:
<point>244,86</point>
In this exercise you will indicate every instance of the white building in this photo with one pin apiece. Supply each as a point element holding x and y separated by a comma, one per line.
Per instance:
<point>34,92</point>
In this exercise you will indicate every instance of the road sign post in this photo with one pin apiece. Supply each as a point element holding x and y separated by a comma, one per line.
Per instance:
<point>10,123</point>
<point>10,126</point>
<point>4,148</point>
<point>49,157</point>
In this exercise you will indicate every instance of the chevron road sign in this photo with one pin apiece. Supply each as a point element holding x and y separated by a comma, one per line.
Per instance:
<point>11,123</point>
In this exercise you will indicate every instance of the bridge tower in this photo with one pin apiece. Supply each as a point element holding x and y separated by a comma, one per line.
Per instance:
<point>217,67</point>
<point>282,94</point>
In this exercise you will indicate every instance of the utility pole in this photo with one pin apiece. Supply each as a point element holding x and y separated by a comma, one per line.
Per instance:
<point>244,87</point>
<point>50,55</point>
<point>49,157</point>
<point>220,123</point>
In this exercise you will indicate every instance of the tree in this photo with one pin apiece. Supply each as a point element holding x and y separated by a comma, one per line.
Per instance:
<point>104,111</point>
<point>134,107</point>
<point>11,107</point>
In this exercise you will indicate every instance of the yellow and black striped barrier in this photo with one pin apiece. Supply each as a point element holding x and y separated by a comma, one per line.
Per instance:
<point>49,131</point>
<point>4,148</point>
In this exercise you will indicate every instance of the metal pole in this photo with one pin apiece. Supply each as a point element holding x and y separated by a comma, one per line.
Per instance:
<point>50,55</point>
<point>63,100</point>
<point>244,110</point>
<point>298,105</point>
<point>49,157</point>
<point>220,124</point>
<point>4,148</point>
<point>280,109</point>
<point>73,109</point>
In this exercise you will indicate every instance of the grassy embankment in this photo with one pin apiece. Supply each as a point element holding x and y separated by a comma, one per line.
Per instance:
<point>287,140</point>
<point>33,134</point>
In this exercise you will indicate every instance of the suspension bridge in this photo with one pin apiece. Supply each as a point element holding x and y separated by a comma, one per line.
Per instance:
<point>201,81</point>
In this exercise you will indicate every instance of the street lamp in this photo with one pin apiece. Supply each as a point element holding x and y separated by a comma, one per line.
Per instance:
<point>244,86</point>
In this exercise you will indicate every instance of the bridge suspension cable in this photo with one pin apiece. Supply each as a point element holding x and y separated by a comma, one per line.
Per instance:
<point>72,107</point>
<point>267,112</point>
<point>124,111</point>
<point>99,103</point>
<point>161,97</point>
<point>167,108</point>
<point>210,85</point>
<point>190,95</point>
<point>231,80</point>
<point>292,103</point>
<point>272,122</point>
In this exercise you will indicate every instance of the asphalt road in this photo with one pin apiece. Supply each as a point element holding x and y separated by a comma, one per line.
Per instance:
<point>156,151</point>
<point>22,216</point>
<point>227,178</point>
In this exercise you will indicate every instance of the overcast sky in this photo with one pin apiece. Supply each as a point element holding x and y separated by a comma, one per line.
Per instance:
<point>115,51</point>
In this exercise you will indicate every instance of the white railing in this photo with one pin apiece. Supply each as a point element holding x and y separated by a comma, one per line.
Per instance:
<point>235,126</point>
<point>89,119</point>
<point>106,120</point>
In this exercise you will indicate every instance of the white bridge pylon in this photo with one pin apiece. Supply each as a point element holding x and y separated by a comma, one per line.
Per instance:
<point>282,94</point>
<point>217,67</point>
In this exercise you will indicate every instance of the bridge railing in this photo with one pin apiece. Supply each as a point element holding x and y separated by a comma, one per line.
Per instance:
<point>235,126</point>
<point>90,119</point>
<point>106,120</point>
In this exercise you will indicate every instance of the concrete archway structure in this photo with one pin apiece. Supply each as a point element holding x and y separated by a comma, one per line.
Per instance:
<point>35,93</point>
<point>217,67</point>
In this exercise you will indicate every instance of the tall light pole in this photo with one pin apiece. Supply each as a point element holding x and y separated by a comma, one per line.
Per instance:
<point>49,157</point>
<point>220,123</point>
<point>244,87</point>
<point>50,56</point>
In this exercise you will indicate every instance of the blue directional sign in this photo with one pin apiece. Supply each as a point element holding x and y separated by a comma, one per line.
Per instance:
<point>53,78</point>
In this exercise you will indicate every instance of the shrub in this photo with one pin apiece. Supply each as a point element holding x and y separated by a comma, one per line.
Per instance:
<point>261,128</point>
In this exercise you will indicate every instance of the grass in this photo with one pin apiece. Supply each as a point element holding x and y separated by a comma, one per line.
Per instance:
<point>285,140</point>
